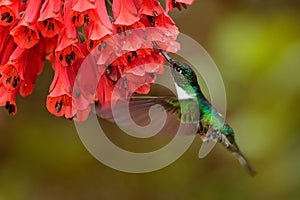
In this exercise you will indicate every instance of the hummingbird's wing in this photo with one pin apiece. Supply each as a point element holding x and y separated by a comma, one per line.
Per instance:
<point>150,115</point>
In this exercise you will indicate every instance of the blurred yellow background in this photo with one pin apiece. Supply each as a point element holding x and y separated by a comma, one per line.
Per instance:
<point>256,45</point>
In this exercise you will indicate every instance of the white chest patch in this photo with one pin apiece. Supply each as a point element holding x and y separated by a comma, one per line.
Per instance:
<point>182,94</point>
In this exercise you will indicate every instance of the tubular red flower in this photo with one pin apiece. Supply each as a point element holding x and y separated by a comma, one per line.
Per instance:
<point>130,40</point>
<point>70,29</point>
<point>8,99</point>
<point>171,4</point>
<point>153,15</point>
<point>83,11</point>
<point>59,101</point>
<point>10,76</point>
<point>102,13</point>
<point>50,22</point>
<point>32,68</point>
<point>67,50</point>
<point>151,61</point>
<point>25,33</point>
<point>105,89</point>
<point>166,31</point>
<point>7,45</point>
<point>149,12</point>
<point>164,21</point>
<point>106,51</point>
<point>134,80</point>
<point>151,8</point>
<point>9,12</point>
<point>99,30</point>
<point>21,71</point>
<point>125,12</point>
<point>6,52</point>
<point>97,33</point>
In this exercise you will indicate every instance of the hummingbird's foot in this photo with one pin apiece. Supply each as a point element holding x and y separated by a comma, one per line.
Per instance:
<point>204,138</point>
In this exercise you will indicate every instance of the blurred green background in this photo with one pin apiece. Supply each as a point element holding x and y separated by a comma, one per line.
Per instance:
<point>256,45</point>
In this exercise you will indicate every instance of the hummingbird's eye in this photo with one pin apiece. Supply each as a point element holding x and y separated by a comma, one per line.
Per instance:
<point>179,70</point>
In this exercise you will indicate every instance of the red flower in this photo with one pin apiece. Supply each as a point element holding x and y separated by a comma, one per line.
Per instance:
<point>9,11</point>
<point>21,71</point>
<point>127,39</point>
<point>67,50</point>
<point>10,76</point>
<point>25,33</point>
<point>59,101</point>
<point>7,99</point>
<point>97,34</point>
<point>50,22</point>
<point>153,15</point>
<point>171,4</point>
<point>83,11</point>
<point>151,8</point>
<point>102,13</point>
<point>7,94</point>
<point>7,45</point>
<point>136,79</point>
<point>99,30</point>
<point>106,87</point>
<point>125,12</point>
<point>165,22</point>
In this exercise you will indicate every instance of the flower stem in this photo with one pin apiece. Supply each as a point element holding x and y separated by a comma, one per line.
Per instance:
<point>81,34</point>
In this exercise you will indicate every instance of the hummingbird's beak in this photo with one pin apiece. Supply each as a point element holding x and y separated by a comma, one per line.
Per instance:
<point>168,58</point>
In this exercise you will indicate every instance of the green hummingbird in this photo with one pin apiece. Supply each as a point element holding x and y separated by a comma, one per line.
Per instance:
<point>212,125</point>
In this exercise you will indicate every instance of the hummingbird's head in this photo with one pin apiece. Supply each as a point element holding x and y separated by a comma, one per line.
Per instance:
<point>183,74</point>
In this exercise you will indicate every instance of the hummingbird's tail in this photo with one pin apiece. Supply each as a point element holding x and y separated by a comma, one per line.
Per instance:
<point>229,142</point>
<point>244,162</point>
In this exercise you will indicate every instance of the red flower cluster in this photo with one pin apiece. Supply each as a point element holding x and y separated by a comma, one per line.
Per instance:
<point>65,32</point>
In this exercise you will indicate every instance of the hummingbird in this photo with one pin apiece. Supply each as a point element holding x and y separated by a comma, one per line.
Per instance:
<point>212,125</point>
